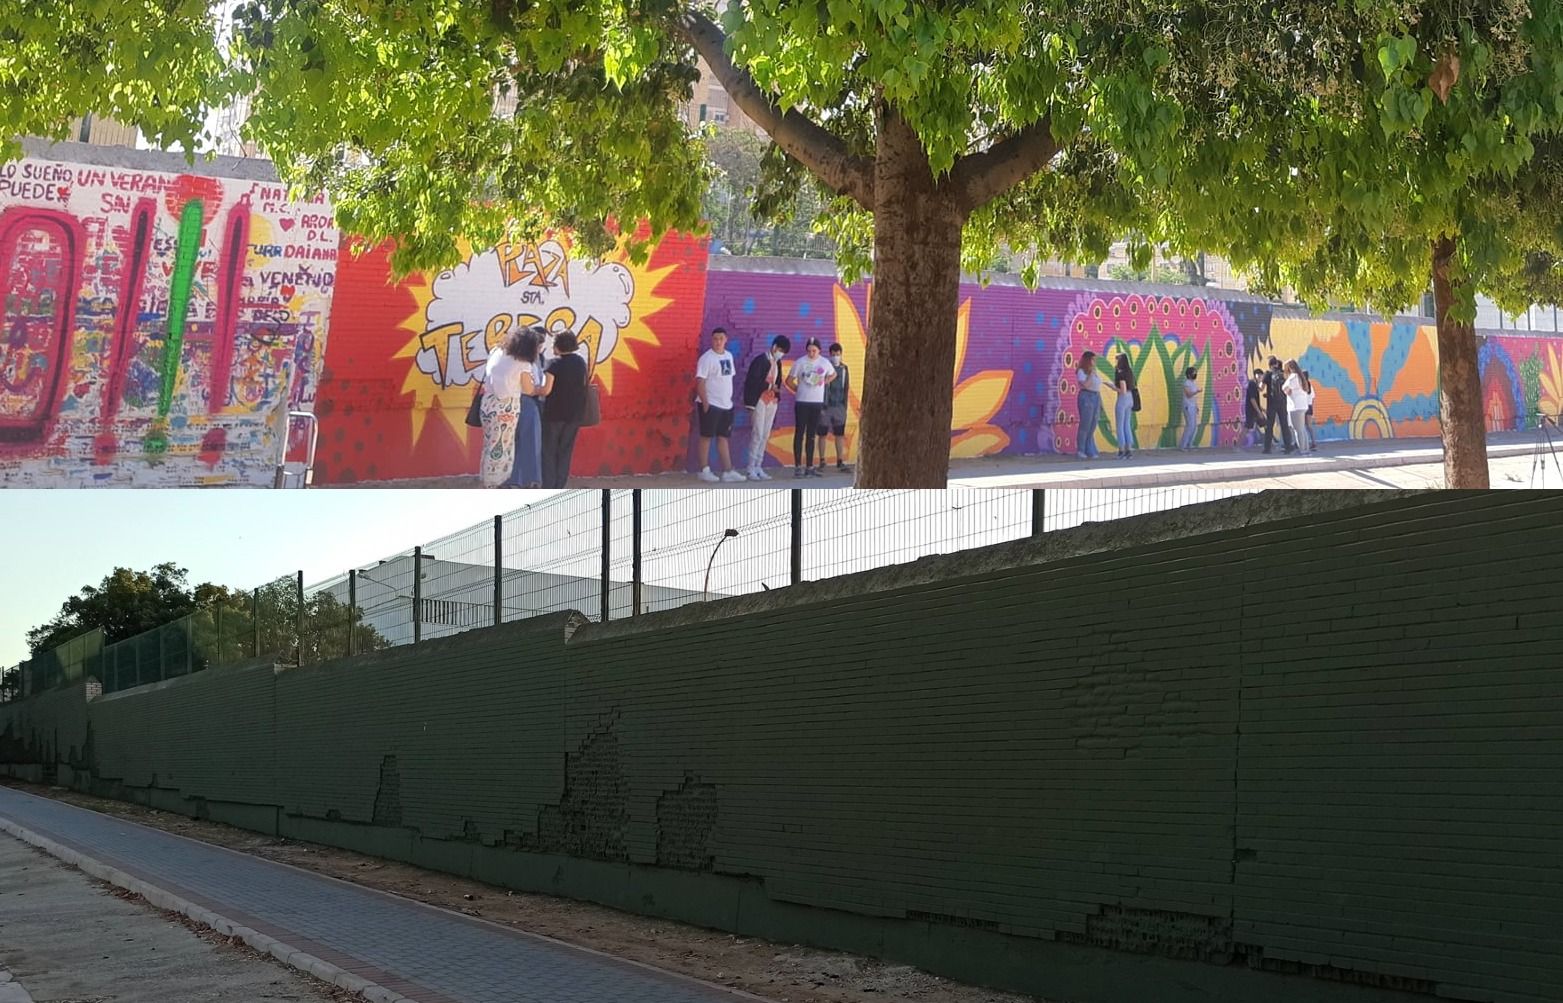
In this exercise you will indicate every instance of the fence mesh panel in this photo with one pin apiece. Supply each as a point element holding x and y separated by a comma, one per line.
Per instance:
<point>549,556</point>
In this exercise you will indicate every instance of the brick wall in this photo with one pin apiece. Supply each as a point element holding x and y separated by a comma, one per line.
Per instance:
<point>1317,754</point>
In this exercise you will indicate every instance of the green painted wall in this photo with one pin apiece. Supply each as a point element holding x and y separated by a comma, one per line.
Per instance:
<point>1318,758</point>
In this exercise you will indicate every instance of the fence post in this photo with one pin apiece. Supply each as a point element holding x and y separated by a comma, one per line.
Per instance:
<point>1038,511</point>
<point>162,669</point>
<point>499,570</point>
<point>417,594</point>
<point>255,623</point>
<point>635,552</point>
<point>797,535</point>
<point>352,611</point>
<point>607,543</point>
<point>221,651</point>
<point>299,626</point>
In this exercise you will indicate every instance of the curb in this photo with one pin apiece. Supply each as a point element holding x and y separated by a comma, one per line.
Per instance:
<point>285,953</point>
<point>12,991</point>
<point>1198,478</point>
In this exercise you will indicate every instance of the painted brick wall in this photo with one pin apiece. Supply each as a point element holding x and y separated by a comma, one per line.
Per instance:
<point>1329,745</point>
<point>161,318</point>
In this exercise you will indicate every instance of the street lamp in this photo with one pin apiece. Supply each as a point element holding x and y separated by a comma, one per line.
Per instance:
<point>706,591</point>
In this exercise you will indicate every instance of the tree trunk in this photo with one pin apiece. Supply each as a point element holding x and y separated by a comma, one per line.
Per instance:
<point>1460,383</point>
<point>908,375</point>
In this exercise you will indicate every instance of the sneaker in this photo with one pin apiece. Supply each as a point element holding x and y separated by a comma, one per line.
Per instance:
<point>733,476</point>
<point>815,472</point>
<point>797,471</point>
<point>759,475</point>
<point>843,467</point>
<point>707,475</point>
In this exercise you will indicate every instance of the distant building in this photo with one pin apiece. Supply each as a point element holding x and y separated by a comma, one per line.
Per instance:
<point>457,596</point>
<point>100,131</point>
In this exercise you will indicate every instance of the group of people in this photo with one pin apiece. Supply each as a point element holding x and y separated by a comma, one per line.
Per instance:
<point>1288,402</point>
<point>1288,396</point>
<point>531,409</point>
<point>819,385</point>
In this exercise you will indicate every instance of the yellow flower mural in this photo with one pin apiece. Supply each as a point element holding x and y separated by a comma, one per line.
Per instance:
<point>1551,402</point>
<point>978,399</point>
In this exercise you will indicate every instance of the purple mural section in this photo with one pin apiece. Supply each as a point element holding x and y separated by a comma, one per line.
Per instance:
<point>1014,382</point>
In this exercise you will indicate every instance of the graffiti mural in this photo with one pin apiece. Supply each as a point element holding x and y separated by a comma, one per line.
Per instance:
<point>1522,376</point>
<point>155,327</point>
<point>402,358</point>
<point>1162,336</point>
<point>405,356</point>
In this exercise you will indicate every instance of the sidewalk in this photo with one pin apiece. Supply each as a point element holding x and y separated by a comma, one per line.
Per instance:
<point>65,937</point>
<point>383,947</point>
<point>1214,467</point>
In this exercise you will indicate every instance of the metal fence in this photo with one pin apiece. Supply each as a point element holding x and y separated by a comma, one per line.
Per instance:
<point>607,554</point>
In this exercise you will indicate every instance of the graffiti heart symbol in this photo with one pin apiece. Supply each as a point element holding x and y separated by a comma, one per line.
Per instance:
<point>65,193</point>
<point>168,269</point>
<point>287,292</point>
<point>287,224</point>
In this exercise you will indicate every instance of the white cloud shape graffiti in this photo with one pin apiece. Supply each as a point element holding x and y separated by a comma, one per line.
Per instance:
<point>478,302</point>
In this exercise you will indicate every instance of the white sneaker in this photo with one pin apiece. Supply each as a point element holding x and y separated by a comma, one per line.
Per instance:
<point>707,475</point>
<point>761,475</point>
<point>732,476</point>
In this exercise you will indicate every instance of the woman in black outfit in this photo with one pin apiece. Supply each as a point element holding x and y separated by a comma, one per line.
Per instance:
<point>563,410</point>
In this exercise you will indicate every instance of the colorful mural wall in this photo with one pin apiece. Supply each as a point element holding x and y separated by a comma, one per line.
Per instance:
<point>155,327</point>
<point>399,370</point>
<point>404,357</point>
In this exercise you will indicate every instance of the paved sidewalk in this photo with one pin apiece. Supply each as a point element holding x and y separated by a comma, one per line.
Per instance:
<point>403,949</point>
<point>65,937</point>
<point>1352,461</point>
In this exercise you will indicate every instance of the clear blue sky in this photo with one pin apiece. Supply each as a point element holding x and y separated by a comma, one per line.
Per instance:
<point>59,541</point>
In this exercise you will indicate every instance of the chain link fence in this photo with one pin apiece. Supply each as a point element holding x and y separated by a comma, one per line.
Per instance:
<point>607,554</point>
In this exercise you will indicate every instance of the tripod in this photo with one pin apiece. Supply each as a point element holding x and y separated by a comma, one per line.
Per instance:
<point>1538,461</point>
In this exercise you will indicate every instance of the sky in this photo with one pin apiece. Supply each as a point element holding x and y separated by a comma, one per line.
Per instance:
<point>64,540</point>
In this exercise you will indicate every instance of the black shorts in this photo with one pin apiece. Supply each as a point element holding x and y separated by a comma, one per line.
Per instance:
<point>715,422</point>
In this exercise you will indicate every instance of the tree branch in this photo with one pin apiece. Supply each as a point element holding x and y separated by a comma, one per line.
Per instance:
<point>981,177</point>
<point>816,148</point>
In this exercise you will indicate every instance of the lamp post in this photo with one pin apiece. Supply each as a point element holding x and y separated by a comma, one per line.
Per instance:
<point>706,591</point>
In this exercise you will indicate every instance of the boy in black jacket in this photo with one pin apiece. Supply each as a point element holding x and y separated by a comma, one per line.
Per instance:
<point>762,395</point>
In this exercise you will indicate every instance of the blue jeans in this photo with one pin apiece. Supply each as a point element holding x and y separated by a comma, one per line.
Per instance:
<point>1125,422</point>
<point>1090,415</point>
<point>528,469</point>
<point>1190,423</point>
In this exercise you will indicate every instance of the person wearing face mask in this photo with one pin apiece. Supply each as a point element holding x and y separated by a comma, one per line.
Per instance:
<point>833,419</point>
<point>808,379</point>
<point>762,395</point>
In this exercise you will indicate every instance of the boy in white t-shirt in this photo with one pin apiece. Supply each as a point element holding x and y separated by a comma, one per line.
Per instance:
<point>714,402</point>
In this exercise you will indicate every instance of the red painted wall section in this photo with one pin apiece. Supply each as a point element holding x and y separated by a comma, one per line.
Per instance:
<point>404,356</point>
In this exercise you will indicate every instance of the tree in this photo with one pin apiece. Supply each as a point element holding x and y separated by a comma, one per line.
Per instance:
<point>1410,164</point>
<point>748,211</point>
<point>126,603</point>
<point>937,130</point>
<point>327,623</point>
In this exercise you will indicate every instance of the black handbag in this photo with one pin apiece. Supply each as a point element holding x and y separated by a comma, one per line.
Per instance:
<point>475,409</point>
<point>1136,392</point>
<point>591,407</point>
